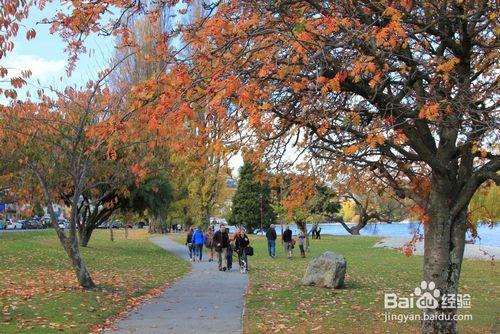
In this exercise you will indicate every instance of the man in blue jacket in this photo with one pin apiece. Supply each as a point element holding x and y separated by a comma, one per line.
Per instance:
<point>198,240</point>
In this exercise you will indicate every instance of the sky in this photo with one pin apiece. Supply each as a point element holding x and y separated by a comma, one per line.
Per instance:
<point>45,57</point>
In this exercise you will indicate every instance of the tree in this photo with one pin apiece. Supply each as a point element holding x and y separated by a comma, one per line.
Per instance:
<point>12,13</point>
<point>153,196</point>
<point>405,90</point>
<point>305,200</point>
<point>38,210</point>
<point>52,147</point>
<point>484,205</point>
<point>370,207</point>
<point>252,201</point>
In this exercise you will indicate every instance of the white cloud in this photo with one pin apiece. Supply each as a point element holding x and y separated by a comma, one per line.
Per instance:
<point>45,71</point>
<point>42,69</point>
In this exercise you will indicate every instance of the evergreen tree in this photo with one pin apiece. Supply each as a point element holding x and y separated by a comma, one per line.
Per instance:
<point>252,201</point>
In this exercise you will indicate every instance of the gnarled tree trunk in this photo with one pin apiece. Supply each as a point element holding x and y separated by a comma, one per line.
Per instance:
<point>69,242</point>
<point>443,254</point>
<point>83,275</point>
<point>363,220</point>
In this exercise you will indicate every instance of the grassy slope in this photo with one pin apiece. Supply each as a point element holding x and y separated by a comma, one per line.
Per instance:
<point>278,303</point>
<point>38,290</point>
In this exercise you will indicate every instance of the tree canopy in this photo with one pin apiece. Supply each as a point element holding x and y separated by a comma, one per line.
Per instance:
<point>400,94</point>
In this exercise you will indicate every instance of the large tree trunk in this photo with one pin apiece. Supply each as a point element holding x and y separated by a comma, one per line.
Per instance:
<point>443,254</point>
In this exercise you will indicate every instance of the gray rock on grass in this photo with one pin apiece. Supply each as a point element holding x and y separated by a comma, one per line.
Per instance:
<point>326,270</point>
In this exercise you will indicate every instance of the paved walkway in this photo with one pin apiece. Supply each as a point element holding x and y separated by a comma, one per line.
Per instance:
<point>205,301</point>
<point>472,251</point>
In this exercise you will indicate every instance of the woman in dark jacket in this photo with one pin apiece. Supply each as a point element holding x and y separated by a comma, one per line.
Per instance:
<point>241,243</point>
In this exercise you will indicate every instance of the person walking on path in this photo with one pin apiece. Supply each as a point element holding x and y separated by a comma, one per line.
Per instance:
<point>241,243</point>
<point>209,243</point>
<point>198,240</point>
<point>221,242</point>
<point>318,233</point>
<point>287,239</point>
<point>313,231</point>
<point>301,236</point>
<point>189,243</point>
<point>229,256</point>
<point>271,241</point>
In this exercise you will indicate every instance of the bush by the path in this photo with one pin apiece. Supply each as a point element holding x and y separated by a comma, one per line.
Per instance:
<point>278,303</point>
<point>39,292</point>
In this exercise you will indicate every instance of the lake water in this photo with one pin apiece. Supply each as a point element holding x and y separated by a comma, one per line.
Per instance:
<point>487,236</point>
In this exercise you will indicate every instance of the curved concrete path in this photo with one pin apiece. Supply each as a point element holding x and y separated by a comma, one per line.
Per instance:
<point>204,301</point>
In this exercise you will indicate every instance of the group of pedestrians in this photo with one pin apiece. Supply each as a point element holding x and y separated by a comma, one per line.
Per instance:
<point>288,241</point>
<point>220,243</point>
<point>316,232</point>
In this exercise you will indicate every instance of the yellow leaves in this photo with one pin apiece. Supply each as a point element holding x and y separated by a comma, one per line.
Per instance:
<point>400,138</point>
<point>445,68</point>
<point>483,152</point>
<point>297,86</point>
<point>266,106</point>
<point>376,79</point>
<point>393,12</point>
<point>351,150</point>
<point>332,85</point>
<point>356,119</point>
<point>429,111</point>
<point>370,66</point>
<point>375,139</point>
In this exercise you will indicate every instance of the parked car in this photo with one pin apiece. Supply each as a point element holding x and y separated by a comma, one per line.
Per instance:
<point>36,224</point>
<point>45,220</point>
<point>27,224</point>
<point>110,224</point>
<point>103,225</point>
<point>15,226</point>
<point>259,231</point>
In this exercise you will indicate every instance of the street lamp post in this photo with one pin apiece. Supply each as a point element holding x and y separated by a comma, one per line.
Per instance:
<point>261,211</point>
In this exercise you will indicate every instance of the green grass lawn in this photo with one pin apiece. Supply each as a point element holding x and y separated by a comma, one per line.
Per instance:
<point>39,292</point>
<point>276,301</point>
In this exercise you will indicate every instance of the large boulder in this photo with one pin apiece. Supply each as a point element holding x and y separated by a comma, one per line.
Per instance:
<point>326,270</point>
